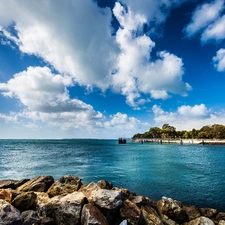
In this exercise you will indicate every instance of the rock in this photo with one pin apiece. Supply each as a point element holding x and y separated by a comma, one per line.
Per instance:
<point>130,212</point>
<point>47,221</point>
<point>30,218</point>
<point>125,192</point>
<point>66,184</point>
<point>167,221</point>
<point>150,216</point>
<point>124,222</point>
<point>13,184</point>
<point>139,200</point>
<point>107,199</point>
<point>172,209</point>
<point>103,184</point>
<point>191,212</point>
<point>9,215</point>
<point>92,215</point>
<point>24,201</point>
<point>220,216</point>
<point>41,201</point>
<point>208,212</point>
<point>201,221</point>
<point>66,209</point>
<point>6,194</point>
<point>89,190</point>
<point>38,184</point>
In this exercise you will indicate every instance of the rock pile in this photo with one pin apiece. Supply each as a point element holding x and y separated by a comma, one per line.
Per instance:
<point>41,201</point>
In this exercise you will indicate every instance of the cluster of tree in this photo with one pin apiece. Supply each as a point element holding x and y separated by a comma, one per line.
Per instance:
<point>206,132</point>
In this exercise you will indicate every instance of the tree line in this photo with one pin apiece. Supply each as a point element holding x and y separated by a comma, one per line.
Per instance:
<point>216,131</point>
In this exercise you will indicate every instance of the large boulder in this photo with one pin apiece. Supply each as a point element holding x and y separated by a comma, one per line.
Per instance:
<point>130,212</point>
<point>103,184</point>
<point>66,209</point>
<point>201,221</point>
<point>12,183</point>
<point>191,212</point>
<point>92,215</point>
<point>171,208</point>
<point>150,216</point>
<point>89,190</point>
<point>6,194</point>
<point>9,215</point>
<point>30,217</point>
<point>38,184</point>
<point>41,201</point>
<point>65,185</point>
<point>208,212</point>
<point>24,201</point>
<point>107,199</point>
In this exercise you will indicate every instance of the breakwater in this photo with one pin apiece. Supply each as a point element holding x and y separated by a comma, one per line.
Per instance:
<point>180,141</point>
<point>67,201</point>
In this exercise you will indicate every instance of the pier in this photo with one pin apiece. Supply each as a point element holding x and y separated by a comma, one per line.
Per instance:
<point>180,141</point>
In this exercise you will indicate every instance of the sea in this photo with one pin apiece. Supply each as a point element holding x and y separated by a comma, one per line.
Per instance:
<point>192,174</point>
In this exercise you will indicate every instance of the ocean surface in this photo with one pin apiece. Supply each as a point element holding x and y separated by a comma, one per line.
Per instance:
<point>193,174</point>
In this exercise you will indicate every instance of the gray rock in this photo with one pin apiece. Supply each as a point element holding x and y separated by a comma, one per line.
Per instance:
<point>65,185</point>
<point>30,217</point>
<point>107,199</point>
<point>66,209</point>
<point>9,215</point>
<point>201,221</point>
<point>91,215</point>
<point>38,184</point>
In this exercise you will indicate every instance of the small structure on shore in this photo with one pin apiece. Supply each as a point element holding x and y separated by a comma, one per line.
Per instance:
<point>122,140</point>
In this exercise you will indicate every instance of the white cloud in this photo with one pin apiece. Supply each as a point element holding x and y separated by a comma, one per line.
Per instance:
<point>219,60</point>
<point>188,117</point>
<point>137,71</point>
<point>76,39</point>
<point>203,16</point>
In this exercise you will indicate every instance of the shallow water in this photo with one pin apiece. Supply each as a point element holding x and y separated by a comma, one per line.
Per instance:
<point>193,174</point>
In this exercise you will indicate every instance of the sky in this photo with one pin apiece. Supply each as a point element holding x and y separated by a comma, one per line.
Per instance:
<point>109,69</point>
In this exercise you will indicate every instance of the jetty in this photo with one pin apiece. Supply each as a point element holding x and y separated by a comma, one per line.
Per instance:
<point>180,141</point>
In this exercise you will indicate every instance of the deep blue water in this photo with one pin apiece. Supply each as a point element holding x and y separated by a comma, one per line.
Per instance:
<point>193,174</point>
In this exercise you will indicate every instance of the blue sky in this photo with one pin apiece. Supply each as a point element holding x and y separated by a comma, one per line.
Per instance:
<point>109,69</point>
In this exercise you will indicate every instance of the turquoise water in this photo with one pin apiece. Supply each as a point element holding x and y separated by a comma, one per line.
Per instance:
<point>193,174</point>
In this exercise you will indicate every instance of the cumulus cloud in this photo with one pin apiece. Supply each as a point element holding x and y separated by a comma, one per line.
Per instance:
<point>137,72</point>
<point>219,60</point>
<point>203,16</point>
<point>77,40</point>
<point>47,100</point>
<point>188,117</point>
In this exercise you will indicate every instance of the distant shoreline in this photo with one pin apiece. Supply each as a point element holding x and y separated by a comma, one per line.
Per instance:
<point>180,141</point>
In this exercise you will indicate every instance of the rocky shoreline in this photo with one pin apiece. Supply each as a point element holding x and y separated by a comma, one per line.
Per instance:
<point>66,201</point>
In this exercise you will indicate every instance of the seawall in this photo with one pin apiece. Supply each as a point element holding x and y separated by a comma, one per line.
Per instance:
<point>180,141</point>
<point>67,201</point>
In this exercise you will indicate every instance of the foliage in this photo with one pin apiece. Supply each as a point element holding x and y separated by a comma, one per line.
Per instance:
<point>216,131</point>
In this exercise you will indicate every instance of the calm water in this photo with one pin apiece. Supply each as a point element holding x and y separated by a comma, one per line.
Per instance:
<point>192,174</point>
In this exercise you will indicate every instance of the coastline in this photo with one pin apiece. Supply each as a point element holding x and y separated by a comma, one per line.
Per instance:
<point>44,201</point>
<point>180,141</point>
